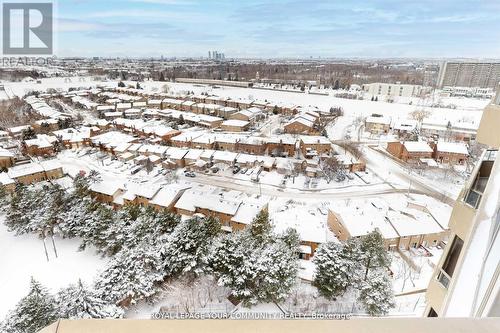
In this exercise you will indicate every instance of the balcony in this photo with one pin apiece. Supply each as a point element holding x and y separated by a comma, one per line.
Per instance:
<point>475,192</point>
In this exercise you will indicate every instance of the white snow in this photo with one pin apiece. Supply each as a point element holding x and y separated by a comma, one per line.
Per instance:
<point>24,257</point>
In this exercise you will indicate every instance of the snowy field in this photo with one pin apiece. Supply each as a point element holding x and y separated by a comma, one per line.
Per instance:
<point>24,257</point>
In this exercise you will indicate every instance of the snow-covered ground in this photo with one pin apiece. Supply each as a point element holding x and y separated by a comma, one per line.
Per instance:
<point>23,257</point>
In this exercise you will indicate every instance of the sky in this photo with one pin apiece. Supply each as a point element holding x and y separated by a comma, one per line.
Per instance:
<point>279,28</point>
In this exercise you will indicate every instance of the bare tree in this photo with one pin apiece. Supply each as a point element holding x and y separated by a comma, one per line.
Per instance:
<point>331,168</point>
<point>420,115</point>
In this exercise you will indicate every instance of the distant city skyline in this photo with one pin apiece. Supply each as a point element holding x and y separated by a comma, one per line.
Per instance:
<point>279,28</point>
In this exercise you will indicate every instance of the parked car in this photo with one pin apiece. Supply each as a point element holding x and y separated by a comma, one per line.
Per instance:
<point>215,169</point>
<point>136,170</point>
<point>236,170</point>
<point>190,174</point>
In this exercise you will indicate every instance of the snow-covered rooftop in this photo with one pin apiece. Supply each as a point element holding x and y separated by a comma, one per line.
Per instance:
<point>452,147</point>
<point>417,147</point>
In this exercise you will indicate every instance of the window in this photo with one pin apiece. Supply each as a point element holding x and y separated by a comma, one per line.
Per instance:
<point>490,155</point>
<point>446,272</point>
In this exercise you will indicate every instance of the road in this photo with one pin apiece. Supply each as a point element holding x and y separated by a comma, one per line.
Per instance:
<point>275,191</point>
<point>386,167</point>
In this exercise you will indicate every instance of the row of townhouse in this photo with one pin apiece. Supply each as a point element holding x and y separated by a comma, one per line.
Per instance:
<point>233,209</point>
<point>48,144</point>
<point>116,194</point>
<point>128,148</point>
<point>403,225</point>
<point>416,152</point>
<point>199,159</point>
<point>31,173</point>
<point>438,130</point>
<point>147,129</point>
<point>187,102</point>
<point>43,109</point>
<point>282,146</point>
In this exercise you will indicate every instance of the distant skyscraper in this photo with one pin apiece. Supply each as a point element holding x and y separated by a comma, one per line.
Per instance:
<point>469,74</point>
<point>216,55</point>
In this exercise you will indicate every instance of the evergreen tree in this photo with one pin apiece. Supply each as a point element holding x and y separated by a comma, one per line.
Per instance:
<point>276,273</point>
<point>149,226</point>
<point>292,239</point>
<point>333,270</point>
<point>17,217</point>
<point>181,120</point>
<point>73,220</point>
<point>376,293</point>
<point>4,197</point>
<point>187,249</point>
<point>255,268</point>
<point>78,302</point>
<point>94,229</point>
<point>132,274</point>
<point>260,228</point>
<point>373,252</point>
<point>33,312</point>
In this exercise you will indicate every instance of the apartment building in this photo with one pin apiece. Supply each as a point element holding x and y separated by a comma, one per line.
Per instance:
<point>466,280</point>
<point>390,89</point>
<point>469,74</point>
